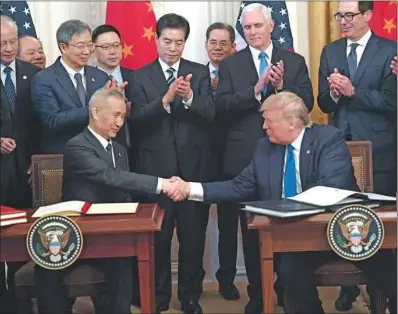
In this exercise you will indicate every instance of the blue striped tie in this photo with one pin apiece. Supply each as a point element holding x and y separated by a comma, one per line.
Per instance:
<point>10,89</point>
<point>290,188</point>
<point>171,77</point>
<point>263,66</point>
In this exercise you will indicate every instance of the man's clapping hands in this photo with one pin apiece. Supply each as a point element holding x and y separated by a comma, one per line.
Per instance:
<point>176,189</point>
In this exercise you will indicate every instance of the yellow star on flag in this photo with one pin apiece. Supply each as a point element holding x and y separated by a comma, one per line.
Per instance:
<point>127,50</point>
<point>389,25</point>
<point>148,33</point>
<point>150,8</point>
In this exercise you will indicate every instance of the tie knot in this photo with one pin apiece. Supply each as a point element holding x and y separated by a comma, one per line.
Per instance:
<point>290,149</point>
<point>354,46</point>
<point>215,72</point>
<point>262,55</point>
<point>7,70</point>
<point>78,77</point>
<point>110,77</point>
<point>109,147</point>
<point>170,71</point>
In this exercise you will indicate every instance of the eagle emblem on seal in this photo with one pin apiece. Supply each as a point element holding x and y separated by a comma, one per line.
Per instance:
<point>356,233</point>
<point>55,242</point>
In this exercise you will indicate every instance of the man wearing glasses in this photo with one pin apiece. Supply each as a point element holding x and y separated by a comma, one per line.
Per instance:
<point>108,52</point>
<point>61,91</point>
<point>357,86</point>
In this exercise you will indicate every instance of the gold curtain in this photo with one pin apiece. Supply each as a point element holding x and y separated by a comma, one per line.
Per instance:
<point>323,30</point>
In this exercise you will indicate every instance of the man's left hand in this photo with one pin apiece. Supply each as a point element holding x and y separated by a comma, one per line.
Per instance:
<point>276,75</point>
<point>184,88</point>
<point>342,84</point>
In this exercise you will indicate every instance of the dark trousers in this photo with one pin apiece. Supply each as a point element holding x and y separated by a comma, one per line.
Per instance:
<point>190,219</point>
<point>296,271</point>
<point>52,295</point>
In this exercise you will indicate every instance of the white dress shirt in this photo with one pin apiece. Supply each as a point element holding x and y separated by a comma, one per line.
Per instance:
<point>196,189</point>
<point>72,73</point>
<point>175,66</point>
<point>104,142</point>
<point>359,50</point>
<point>13,74</point>
<point>211,69</point>
<point>255,55</point>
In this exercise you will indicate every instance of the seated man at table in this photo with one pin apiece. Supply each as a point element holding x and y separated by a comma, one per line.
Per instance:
<point>96,170</point>
<point>294,157</point>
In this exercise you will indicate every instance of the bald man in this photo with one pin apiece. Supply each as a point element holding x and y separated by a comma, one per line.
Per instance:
<point>31,50</point>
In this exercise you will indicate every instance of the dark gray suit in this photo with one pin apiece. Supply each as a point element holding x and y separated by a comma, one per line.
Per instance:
<point>324,160</point>
<point>179,144</point>
<point>238,114</point>
<point>56,101</point>
<point>89,176</point>
<point>372,113</point>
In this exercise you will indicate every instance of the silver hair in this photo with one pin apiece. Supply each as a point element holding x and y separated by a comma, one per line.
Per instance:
<point>257,7</point>
<point>7,19</point>
<point>69,28</point>
<point>100,97</point>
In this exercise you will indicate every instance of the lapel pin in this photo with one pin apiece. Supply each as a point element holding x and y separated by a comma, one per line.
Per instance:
<point>120,155</point>
<point>308,152</point>
<point>93,79</point>
<point>24,77</point>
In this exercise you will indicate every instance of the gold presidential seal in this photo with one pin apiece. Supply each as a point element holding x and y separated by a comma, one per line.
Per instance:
<point>54,242</point>
<point>355,232</point>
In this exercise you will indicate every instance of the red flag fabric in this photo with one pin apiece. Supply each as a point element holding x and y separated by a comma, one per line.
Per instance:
<point>136,23</point>
<point>384,19</point>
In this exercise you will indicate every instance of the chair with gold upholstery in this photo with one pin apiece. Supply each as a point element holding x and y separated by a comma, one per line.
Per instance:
<point>83,280</point>
<point>340,272</point>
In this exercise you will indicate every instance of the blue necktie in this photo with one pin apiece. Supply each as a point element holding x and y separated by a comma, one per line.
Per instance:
<point>171,78</point>
<point>263,66</point>
<point>290,188</point>
<point>10,89</point>
<point>80,88</point>
<point>352,61</point>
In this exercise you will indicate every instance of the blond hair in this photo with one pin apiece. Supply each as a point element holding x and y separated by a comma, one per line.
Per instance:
<point>292,106</point>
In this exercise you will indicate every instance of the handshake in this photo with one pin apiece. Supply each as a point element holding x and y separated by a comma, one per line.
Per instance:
<point>176,188</point>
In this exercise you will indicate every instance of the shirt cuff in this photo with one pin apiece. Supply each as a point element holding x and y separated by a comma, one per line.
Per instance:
<point>195,192</point>
<point>258,97</point>
<point>188,103</point>
<point>334,99</point>
<point>159,186</point>
<point>167,108</point>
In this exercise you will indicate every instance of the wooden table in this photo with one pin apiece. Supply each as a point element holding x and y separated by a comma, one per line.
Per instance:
<point>104,236</point>
<point>306,234</point>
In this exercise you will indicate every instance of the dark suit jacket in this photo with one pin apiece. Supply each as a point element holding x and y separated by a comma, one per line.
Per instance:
<point>23,126</point>
<point>89,175</point>
<point>371,114</point>
<point>237,105</point>
<point>178,143</point>
<point>58,105</point>
<point>324,160</point>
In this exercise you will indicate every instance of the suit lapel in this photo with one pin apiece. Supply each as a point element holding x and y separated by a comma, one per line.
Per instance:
<point>66,83</point>
<point>91,84</point>
<point>158,77</point>
<point>305,154</point>
<point>120,160</point>
<point>370,50</point>
<point>98,147</point>
<point>341,54</point>
<point>4,104</point>
<point>276,170</point>
<point>248,67</point>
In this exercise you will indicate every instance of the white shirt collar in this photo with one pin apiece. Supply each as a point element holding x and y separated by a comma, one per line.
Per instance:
<point>297,142</point>
<point>104,142</point>
<point>11,65</point>
<point>70,71</point>
<point>255,52</point>
<point>165,66</point>
<point>363,41</point>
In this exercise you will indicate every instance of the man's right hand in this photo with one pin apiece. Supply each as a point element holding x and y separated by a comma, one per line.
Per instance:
<point>333,87</point>
<point>262,82</point>
<point>7,145</point>
<point>176,189</point>
<point>171,93</point>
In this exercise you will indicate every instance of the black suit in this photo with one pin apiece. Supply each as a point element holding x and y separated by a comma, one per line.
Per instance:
<point>57,102</point>
<point>24,127</point>
<point>372,113</point>
<point>324,161</point>
<point>178,143</point>
<point>238,112</point>
<point>89,175</point>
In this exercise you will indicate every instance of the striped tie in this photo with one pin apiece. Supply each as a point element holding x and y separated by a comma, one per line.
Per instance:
<point>171,78</point>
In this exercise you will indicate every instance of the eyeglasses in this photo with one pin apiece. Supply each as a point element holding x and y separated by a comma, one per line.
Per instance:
<point>107,47</point>
<point>223,44</point>
<point>81,47</point>
<point>349,16</point>
<point>13,42</point>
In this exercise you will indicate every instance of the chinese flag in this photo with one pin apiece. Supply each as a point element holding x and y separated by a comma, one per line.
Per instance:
<point>384,19</point>
<point>136,23</point>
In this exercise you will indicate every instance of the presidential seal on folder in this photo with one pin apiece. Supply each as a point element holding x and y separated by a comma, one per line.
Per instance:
<point>355,232</point>
<point>54,242</point>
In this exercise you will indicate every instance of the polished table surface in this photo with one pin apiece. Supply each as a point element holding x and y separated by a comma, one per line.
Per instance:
<point>303,234</point>
<point>104,236</point>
